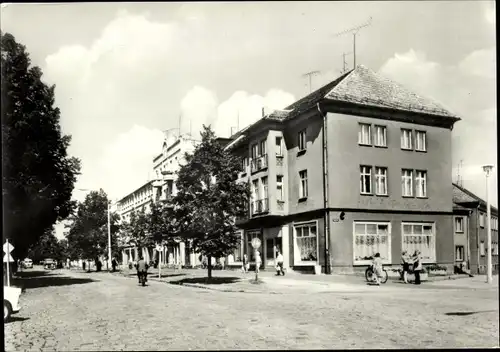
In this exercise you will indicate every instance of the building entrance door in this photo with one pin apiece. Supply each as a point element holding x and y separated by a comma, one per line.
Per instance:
<point>273,245</point>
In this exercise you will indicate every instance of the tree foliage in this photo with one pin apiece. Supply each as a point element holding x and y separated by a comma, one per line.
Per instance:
<point>48,246</point>
<point>88,232</point>
<point>37,174</point>
<point>209,198</point>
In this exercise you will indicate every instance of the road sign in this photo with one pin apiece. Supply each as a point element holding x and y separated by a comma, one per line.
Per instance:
<point>256,243</point>
<point>9,258</point>
<point>7,247</point>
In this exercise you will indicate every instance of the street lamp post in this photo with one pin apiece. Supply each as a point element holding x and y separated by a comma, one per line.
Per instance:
<point>109,236</point>
<point>489,278</point>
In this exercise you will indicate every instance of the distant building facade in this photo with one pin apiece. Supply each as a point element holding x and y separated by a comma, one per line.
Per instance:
<point>470,231</point>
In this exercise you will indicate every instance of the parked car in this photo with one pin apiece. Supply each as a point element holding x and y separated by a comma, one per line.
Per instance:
<point>10,301</point>
<point>49,264</point>
<point>27,263</point>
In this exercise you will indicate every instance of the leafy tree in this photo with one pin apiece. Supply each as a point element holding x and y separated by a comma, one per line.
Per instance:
<point>37,174</point>
<point>209,198</point>
<point>88,232</point>
<point>138,230</point>
<point>47,246</point>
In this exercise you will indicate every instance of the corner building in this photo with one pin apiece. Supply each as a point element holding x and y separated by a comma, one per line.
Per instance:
<point>362,146</point>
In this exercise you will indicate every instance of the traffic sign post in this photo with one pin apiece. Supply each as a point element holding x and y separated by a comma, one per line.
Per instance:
<point>7,258</point>
<point>256,245</point>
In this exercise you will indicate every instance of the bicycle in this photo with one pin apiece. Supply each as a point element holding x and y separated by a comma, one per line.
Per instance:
<point>370,275</point>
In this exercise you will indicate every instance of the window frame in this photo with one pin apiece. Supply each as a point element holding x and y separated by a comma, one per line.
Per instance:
<point>423,223</point>
<point>424,178</point>
<point>482,249</point>
<point>262,147</point>
<point>279,147</point>
<point>254,151</point>
<point>242,248</point>
<point>280,194</point>
<point>376,135</point>
<point>385,178</point>
<point>389,241</point>
<point>362,174</point>
<point>303,191</point>
<point>410,139</point>
<point>264,187</point>
<point>302,140</point>
<point>403,184</point>
<point>360,134</point>
<point>461,218</point>
<point>481,219</point>
<point>297,261</point>
<point>419,148</point>
<point>463,253</point>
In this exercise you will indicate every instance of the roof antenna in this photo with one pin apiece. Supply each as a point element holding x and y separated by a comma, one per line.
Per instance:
<point>354,32</point>
<point>344,63</point>
<point>310,74</point>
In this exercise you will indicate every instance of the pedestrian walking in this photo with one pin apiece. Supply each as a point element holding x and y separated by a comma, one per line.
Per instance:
<point>417,266</point>
<point>405,261</point>
<point>246,264</point>
<point>377,268</point>
<point>114,264</point>
<point>279,264</point>
<point>258,261</point>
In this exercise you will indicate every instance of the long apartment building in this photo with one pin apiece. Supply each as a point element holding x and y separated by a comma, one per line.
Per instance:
<point>359,166</point>
<point>160,189</point>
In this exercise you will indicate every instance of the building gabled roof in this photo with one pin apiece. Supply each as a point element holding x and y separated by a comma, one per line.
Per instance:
<point>361,86</point>
<point>365,87</point>
<point>462,196</point>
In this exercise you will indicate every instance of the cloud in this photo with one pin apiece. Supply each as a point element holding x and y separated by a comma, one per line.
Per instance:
<point>119,92</point>
<point>489,11</point>
<point>199,107</point>
<point>480,63</point>
<point>127,161</point>
<point>469,88</point>
<point>242,109</point>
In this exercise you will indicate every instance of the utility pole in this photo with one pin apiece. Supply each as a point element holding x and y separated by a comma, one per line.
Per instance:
<point>489,278</point>
<point>354,32</point>
<point>310,74</point>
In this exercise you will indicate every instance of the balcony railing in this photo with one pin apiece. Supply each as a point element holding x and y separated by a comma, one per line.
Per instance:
<point>260,206</point>
<point>259,163</point>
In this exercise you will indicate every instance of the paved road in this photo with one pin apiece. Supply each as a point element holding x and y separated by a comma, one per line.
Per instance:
<point>65,310</point>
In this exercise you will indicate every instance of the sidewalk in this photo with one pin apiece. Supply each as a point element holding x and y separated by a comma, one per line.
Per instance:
<point>236,281</point>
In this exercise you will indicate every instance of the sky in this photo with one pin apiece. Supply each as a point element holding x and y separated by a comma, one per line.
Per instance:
<point>127,72</point>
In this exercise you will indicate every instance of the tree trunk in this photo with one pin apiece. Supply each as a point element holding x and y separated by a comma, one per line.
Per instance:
<point>209,266</point>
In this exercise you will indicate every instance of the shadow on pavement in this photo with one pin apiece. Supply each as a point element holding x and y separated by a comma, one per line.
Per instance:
<point>14,319</point>
<point>207,281</point>
<point>48,280</point>
<point>33,273</point>
<point>165,275</point>
<point>468,313</point>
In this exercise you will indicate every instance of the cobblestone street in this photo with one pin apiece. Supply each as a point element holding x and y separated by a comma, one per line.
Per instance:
<point>66,310</point>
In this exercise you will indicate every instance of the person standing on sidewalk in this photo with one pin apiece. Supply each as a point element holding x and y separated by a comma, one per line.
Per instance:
<point>405,261</point>
<point>258,261</point>
<point>417,266</point>
<point>279,264</point>
<point>246,264</point>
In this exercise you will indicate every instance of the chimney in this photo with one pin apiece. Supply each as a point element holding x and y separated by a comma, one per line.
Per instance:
<point>263,112</point>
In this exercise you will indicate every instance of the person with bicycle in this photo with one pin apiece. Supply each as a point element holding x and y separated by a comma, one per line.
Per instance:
<point>377,268</point>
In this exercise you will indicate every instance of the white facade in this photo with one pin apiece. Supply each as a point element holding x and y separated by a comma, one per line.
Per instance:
<point>161,189</point>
